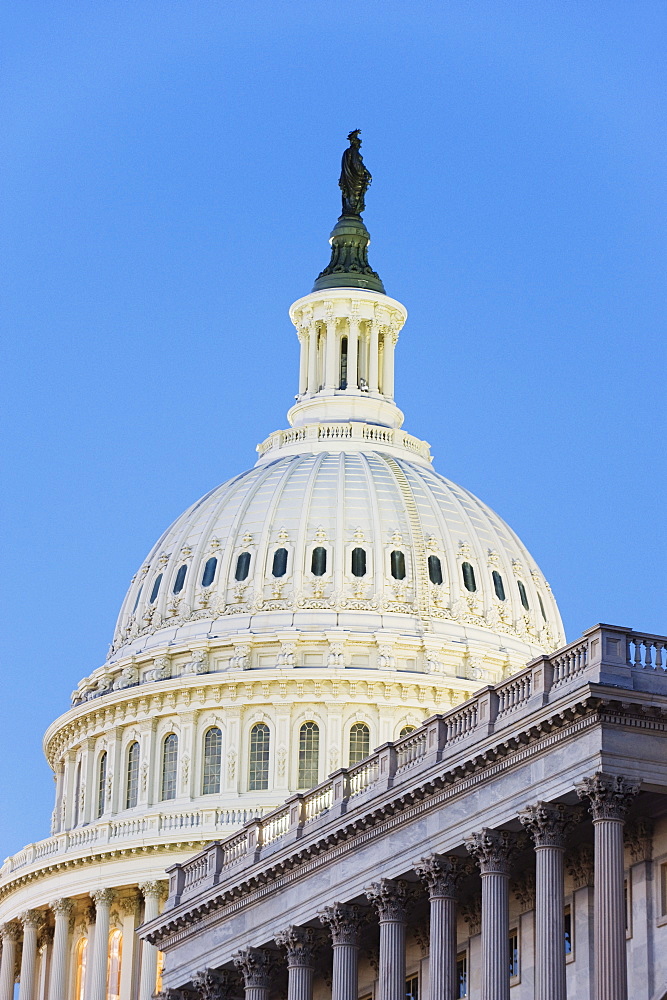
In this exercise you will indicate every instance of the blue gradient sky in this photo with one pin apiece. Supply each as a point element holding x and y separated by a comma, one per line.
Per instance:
<point>168,185</point>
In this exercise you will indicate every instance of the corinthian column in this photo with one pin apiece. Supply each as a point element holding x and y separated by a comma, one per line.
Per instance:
<point>103,899</point>
<point>151,892</point>
<point>344,923</point>
<point>609,798</point>
<point>31,920</point>
<point>549,826</point>
<point>62,909</point>
<point>389,897</point>
<point>299,942</point>
<point>442,877</point>
<point>11,933</point>
<point>493,849</point>
<point>256,967</point>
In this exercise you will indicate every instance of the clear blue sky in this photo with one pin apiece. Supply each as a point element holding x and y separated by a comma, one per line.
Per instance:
<point>168,185</point>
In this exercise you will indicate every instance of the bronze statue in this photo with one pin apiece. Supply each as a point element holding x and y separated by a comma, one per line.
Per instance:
<point>355,179</point>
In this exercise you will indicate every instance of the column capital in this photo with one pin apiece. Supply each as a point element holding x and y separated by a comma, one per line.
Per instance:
<point>102,897</point>
<point>609,795</point>
<point>256,965</point>
<point>390,898</point>
<point>210,984</point>
<point>299,943</point>
<point>580,865</point>
<point>155,888</point>
<point>344,921</point>
<point>549,823</point>
<point>62,907</point>
<point>442,874</point>
<point>31,918</point>
<point>11,930</point>
<point>493,850</point>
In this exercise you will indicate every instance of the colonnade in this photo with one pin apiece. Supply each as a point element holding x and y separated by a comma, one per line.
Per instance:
<point>491,851</point>
<point>56,979</point>
<point>368,352</point>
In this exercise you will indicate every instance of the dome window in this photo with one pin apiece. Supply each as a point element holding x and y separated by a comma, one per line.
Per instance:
<point>156,588</point>
<point>318,562</point>
<point>358,562</point>
<point>498,585</point>
<point>180,579</point>
<point>309,754</point>
<point>468,577</point>
<point>343,363</point>
<point>169,767</point>
<point>360,742</point>
<point>102,784</point>
<point>279,562</point>
<point>260,745</point>
<point>212,761</point>
<point>435,570</point>
<point>539,598</point>
<point>136,603</point>
<point>242,567</point>
<point>209,572</point>
<point>132,794</point>
<point>398,565</point>
<point>523,595</point>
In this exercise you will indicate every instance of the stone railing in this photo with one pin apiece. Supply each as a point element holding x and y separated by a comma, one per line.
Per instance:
<point>349,431</point>
<point>605,655</point>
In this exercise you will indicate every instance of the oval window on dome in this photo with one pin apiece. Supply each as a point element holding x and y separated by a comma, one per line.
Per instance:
<point>209,572</point>
<point>242,566</point>
<point>179,582</point>
<point>318,562</point>
<point>358,562</point>
<point>498,585</point>
<point>279,562</point>
<point>156,588</point>
<point>435,570</point>
<point>523,595</point>
<point>469,581</point>
<point>539,598</point>
<point>398,565</point>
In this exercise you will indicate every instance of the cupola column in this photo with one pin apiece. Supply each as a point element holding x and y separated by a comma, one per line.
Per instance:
<point>493,849</point>
<point>609,797</point>
<point>313,335</point>
<point>303,360</point>
<point>344,923</point>
<point>331,379</point>
<point>11,932</point>
<point>299,942</point>
<point>353,349</point>
<point>31,920</point>
<point>62,910</point>
<point>389,897</point>
<point>442,877</point>
<point>374,356</point>
<point>388,363</point>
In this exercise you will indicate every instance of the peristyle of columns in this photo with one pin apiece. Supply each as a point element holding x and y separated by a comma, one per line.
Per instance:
<point>442,876</point>
<point>299,943</point>
<point>102,899</point>
<point>62,911</point>
<point>390,898</point>
<point>344,923</point>
<point>609,798</point>
<point>31,920</point>
<point>549,825</point>
<point>256,966</point>
<point>151,892</point>
<point>493,850</point>
<point>11,934</point>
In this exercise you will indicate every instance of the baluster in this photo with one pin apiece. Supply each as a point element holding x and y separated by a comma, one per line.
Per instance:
<point>659,646</point>
<point>638,652</point>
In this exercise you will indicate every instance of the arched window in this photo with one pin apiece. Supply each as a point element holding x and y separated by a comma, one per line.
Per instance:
<point>343,363</point>
<point>169,767</point>
<point>358,562</point>
<point>136,603</point>
<point>209,572</point>
<point>405,731</point>
<point>212,761</point>
<point>318,562</point>
<point>360,742</point>
<point>242,566</point>
<point>468,577</point>
<point>539,598</point>
<point>523,595</point>
<point>80,973</point>
<point>132,776</point>
<point>114,959</point>
<point>102,784</point>
<point>309,754</point>
<point>398,565</point>
<point>179,582</point>
<point>77,795</point>
<point>156,588</point>
<point>279,562</point>
<point>434,569</point>
<point>498,585</point>
<point>258,771</point>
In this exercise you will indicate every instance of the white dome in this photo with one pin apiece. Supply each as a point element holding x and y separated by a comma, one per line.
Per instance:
<point>338,501</point>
